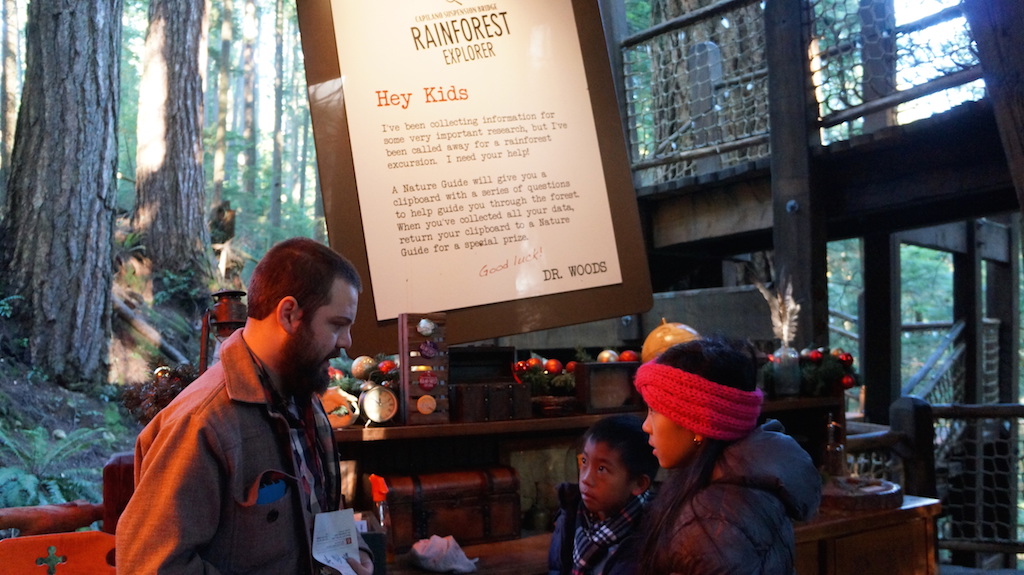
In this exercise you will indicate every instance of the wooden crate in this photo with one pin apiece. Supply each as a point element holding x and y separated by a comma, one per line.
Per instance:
<point>423,355</point>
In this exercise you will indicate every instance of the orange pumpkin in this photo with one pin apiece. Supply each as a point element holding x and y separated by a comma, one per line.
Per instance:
<point>665,336</point>
<point>340,407</point>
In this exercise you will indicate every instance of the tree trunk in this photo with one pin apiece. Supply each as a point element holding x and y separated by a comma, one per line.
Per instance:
<point>8,90</point>
<point>60,204</point>
<point>169,173</point>
<point>251,33</point>
<point>223,85</point>
<point>276,163</point>
<point>297,115</point>
<point>303,160</point>
<point>319,220</point>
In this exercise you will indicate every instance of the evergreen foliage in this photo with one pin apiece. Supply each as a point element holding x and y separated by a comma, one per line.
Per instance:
<point>41,478</point>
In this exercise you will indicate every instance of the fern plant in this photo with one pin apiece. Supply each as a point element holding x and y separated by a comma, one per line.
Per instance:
<point>7,305</point>
<point>41,478</point>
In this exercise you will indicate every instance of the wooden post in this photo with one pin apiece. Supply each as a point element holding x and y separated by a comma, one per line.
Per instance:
<point>880,325</point>
<point>613,17</point>
<point>878,20</point>
<point>1002,286</point>
<point>912,419</point>
<point>967,301</point>
<point>998,29</point>
<point>798,228</point>
<point>704,68</point>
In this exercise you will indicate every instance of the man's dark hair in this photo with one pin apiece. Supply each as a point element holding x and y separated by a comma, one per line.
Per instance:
<point>625,434</point>
<point>301,268</point>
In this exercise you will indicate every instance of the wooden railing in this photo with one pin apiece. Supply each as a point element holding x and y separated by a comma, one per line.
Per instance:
<point>968,456</point>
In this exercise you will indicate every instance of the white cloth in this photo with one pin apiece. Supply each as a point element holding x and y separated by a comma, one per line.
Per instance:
<point>441,554</point>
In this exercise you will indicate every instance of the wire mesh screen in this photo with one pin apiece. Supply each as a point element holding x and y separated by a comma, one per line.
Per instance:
<point>978,476</point>
<point>877,63</point>
<point>697,95</point>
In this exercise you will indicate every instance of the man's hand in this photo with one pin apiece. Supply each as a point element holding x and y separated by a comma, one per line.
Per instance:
<point>362,567</point>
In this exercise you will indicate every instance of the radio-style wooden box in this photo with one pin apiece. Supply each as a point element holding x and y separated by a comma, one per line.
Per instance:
<point>482,386</point>
<point>607,387</point>
<point>474,506</point>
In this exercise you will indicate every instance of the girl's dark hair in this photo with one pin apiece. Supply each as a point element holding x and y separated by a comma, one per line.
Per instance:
<point>722,361</point>
<point>624,433</point>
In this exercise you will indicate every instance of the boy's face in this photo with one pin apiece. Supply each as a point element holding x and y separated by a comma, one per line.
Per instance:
<point>605,483</point>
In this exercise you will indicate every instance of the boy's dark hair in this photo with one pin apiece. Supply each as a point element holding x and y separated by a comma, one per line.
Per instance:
<point>624,433</point>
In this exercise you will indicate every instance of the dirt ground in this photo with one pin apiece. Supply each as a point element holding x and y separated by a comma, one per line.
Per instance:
<point>29,401</point>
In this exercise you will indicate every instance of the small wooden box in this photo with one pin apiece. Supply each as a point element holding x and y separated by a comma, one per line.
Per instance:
<point>482,386</point>
<point>474,402</point>
<point>607,387</point>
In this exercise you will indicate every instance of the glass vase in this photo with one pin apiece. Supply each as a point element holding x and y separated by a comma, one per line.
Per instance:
<point>786,375</point>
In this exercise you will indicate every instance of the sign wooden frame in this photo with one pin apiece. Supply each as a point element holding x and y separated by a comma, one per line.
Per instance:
<point>482,322</point>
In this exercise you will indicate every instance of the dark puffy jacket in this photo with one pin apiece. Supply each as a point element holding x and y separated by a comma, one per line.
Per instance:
<point>621,561</point>
<point>741,523</point>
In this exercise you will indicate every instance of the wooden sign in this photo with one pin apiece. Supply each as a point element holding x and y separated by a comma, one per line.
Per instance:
<point>472,162</point>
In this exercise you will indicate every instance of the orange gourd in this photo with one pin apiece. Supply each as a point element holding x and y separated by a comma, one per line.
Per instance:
<point>665,336</point>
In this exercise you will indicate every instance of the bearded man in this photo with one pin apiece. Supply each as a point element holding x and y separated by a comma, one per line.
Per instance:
<point>230,475</point>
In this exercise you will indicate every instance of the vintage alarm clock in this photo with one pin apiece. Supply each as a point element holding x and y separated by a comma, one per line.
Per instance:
<point>379,404</point>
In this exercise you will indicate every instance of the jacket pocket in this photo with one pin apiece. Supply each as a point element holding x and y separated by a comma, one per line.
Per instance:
<point>264,532</point>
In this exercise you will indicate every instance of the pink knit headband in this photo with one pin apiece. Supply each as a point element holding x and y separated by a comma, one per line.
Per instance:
<point>698,404</point>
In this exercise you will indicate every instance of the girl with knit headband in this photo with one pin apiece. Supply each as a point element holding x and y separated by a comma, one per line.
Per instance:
<point>733,487</point>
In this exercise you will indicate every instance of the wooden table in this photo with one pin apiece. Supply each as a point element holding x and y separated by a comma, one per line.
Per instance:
<point>891,541</point>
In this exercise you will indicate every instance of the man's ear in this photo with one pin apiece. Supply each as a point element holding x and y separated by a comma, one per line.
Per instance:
<point>288,314</point>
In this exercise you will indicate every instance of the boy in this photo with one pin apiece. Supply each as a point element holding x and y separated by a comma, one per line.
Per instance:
<point>617,470</point>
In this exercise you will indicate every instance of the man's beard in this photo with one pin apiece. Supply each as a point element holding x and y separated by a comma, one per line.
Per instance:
<point>303,374</point>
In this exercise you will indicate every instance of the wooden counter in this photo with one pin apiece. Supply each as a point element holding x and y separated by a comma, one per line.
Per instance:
<point>525,556</point>
<point>892,541</point>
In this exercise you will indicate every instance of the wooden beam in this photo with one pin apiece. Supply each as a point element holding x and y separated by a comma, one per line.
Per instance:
<point>995,243</point>
<point>948,238</point>
<point>693,217</point>
<point>998,30</point>
<point>798,231</point>
<point>880,349</point>
<point>1002,289</point>
<point>967,306</point>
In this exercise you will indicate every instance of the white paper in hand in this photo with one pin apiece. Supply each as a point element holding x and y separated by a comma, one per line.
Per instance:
<point>334,539</point>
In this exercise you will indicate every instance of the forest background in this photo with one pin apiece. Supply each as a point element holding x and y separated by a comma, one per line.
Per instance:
<point>152,150</point>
